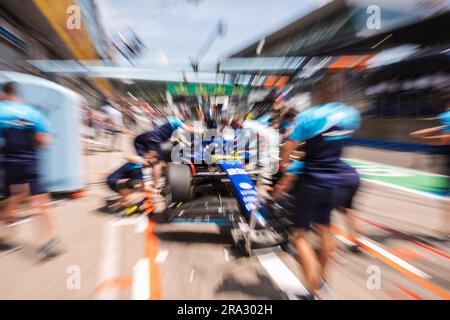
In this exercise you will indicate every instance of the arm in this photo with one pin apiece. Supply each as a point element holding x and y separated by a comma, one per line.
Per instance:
<point>438,140</point>
<point>142,186</point>
<point>432,137</point>
<point>425,132</point>
<point>42,139</point>
<point>191,129</point>
<point>285,184</point>
<point>41,129</point>
<point>182,139</point>
<point>134,158</point>
<point>286,150</point>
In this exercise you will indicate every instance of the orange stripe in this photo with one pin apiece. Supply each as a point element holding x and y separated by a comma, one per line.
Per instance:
<point>409,293</point>
<point>121,283</point>
<point>406,254</point>
<point>151,250</point>
<point>424,283</point>
<point>422,245</point>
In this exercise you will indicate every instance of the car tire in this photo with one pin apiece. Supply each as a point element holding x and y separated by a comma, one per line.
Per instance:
<point>179,178</point>
<point>166,151</point>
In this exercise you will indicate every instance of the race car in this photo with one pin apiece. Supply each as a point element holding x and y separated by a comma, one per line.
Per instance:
<point>207,186</point>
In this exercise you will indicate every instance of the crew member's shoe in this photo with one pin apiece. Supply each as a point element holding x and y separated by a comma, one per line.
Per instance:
<point>8,246</point>
<point>354,248</point>
<point>50,249</point>
<point>308,296</point>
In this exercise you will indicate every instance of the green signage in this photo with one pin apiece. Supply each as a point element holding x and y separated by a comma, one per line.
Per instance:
<point>401,177</point>
<point>194,89</point>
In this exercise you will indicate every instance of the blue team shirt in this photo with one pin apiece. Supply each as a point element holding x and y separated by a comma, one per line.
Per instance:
<point>444,119</point>
<point>325,129</point>
<point>295,167</point>
<point>130,170</point>
<point>162,133</point>
<point>18,125</point>
<point>174,122</point>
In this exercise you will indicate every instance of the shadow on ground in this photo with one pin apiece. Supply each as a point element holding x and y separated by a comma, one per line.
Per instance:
<point>263,288</point>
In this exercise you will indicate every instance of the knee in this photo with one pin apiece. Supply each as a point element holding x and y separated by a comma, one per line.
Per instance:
<point>41,202</point>
<point>299,235</point>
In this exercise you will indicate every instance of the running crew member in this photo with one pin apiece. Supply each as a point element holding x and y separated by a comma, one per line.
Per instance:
<point>326,182</point>
<point>440,136</point>
<point>24,130</point>
<point>124,180</point>
<point>148,144</point>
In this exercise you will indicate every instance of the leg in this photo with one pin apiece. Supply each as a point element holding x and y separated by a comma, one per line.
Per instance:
<point>43,220</point>
<point>351,228</point>
<point>18,193</point>
<point>40,198</point>
<point>135,197</point>
<point>157,172</point>
<point>308,260</point>
<point>351,224</point>
<point>305,206</point>
<point>124,200</point>
<point>327,245</point>
<point>344,194</point>
<point>122,188</point>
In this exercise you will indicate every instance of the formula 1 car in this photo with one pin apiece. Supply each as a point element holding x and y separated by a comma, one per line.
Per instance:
<point>214,188</point>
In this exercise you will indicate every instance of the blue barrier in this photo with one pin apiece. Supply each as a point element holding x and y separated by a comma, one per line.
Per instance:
<point>397,146</point>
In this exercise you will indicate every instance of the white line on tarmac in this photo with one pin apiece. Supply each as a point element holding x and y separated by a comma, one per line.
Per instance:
<point>292,296</point>
<point>395,259</point>
<point>226,254</point>
<point>191,275</point>
<point>393,186</point>
<point>126,221</point>
<point>142,225</point>
<point>15,224</point>
<point>284,278</point>
<point>161,256</point>
<point>140,289</point>
<point>109,259</point>
<point>387,255</point>
<point>344,240</point>
<point>376,164</point>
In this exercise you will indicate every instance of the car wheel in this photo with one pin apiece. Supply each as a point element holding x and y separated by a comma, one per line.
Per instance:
<point>166,151</point>
<point>179,179</point>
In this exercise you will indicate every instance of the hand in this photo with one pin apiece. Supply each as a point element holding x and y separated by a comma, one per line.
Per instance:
<point>284,185</point>
<point>150,189</point>
<point>278,190</point>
